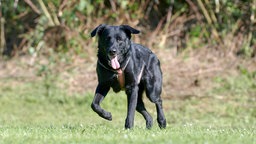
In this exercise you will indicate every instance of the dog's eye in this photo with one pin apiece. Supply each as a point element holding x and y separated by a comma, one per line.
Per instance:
<point>108,38</point>
<point>118,38</point>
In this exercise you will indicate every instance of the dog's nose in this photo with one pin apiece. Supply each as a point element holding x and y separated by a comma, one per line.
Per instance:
<point>112,51</point>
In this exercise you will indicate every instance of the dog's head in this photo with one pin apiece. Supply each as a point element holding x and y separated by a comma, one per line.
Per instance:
<point>114,42</point>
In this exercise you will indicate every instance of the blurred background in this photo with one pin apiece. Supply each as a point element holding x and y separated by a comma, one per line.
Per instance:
<point>206,47</point>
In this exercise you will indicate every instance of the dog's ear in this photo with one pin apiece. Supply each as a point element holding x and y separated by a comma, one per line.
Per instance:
<point>129,30</point>
<point>98,30</point>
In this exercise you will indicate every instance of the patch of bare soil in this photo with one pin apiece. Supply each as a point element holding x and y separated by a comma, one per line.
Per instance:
<point>185,75</point>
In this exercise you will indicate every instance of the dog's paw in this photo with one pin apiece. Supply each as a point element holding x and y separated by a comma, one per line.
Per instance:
<point>149,124</point>
<point>106,115</point>
<point>128,124</point>
<point>161,123</point>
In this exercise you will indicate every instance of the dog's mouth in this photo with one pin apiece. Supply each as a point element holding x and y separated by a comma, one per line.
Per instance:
<point>114,62</point>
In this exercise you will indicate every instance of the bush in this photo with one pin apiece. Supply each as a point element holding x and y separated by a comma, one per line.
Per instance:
<point>64,25</point>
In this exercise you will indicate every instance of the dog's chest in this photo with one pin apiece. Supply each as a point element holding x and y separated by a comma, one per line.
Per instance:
<point>112,79</point>
<point>117,82</point>
<point>121,78</point>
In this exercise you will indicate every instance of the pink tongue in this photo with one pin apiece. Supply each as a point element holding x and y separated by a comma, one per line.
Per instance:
<point>114,63</point>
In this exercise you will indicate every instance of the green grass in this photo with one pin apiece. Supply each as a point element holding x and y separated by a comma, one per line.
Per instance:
<point>27,115</point>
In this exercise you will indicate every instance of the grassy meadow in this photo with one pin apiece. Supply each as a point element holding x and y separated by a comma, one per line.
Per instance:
<point>207,51</point>
<point>28,115</point>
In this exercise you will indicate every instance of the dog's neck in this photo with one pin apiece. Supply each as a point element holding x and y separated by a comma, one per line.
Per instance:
<point>119,72</point>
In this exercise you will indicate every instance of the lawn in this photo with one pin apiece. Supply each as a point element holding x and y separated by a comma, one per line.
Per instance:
<point>27,115</point>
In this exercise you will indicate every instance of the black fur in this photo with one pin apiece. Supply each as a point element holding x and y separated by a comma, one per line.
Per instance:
<point>141,69</point>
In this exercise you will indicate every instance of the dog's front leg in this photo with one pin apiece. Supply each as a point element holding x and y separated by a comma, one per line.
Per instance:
<point>100,94</point>
<point>132,96</point>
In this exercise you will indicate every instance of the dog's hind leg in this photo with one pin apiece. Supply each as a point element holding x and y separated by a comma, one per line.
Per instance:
<point>155,98</point>
<point>160,114</point>
<point>153,92</point>
<point>100,94</point>
<point>141,108</point>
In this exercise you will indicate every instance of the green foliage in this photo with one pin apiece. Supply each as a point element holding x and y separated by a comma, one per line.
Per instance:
<point>210,23</point>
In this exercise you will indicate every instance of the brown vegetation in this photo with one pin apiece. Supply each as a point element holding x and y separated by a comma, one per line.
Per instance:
<point>196,41</point>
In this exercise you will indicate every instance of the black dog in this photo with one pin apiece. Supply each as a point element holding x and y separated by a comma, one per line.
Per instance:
<point>124,65</point>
